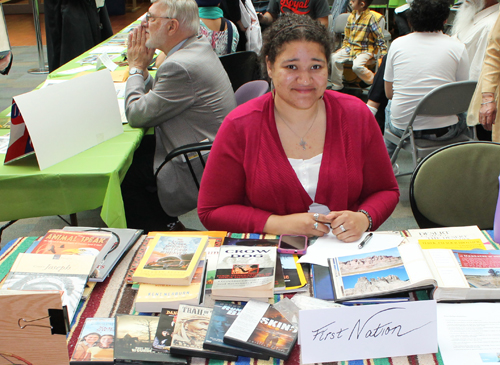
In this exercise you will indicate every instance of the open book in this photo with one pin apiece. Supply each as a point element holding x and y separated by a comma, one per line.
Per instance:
<point>454,275</point>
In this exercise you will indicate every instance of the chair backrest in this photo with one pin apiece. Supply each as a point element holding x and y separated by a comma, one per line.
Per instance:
<point>250,90</point>
<point>240,67</point>
<point>340,23</point>
<point>457,185</point>
<point>198,151</point>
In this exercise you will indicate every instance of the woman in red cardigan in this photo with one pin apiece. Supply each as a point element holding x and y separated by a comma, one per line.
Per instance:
<point>300,159</point>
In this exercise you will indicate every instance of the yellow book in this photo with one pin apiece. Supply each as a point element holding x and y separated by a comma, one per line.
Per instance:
<point>171,259</point>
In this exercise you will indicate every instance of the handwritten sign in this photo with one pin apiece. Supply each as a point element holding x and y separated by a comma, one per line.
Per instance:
<point>368,332</point>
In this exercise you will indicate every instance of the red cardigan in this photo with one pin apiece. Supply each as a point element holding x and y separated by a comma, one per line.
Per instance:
<point>248,176</point>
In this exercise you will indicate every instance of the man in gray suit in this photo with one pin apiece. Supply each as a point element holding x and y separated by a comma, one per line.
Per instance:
<point>186,103</point>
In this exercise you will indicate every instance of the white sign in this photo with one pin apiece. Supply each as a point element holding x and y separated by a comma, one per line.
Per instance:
<point>368,332</point>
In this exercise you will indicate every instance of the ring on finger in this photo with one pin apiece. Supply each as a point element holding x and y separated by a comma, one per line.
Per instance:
<point>342,228</point>
<point>315,225</point>
<point>316,216</point>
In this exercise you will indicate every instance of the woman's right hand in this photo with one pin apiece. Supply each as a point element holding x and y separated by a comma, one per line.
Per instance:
<point>299,223</point>
<point>488,111</point>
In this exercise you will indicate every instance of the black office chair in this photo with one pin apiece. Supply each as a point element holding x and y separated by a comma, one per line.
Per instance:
<point>241,67</point>
<point>457,185</point>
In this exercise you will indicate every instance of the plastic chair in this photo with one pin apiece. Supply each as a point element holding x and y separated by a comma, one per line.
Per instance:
<point>241,67</point>
<point>457,185</point>
<point>250,90</point>
<point>449,99</point>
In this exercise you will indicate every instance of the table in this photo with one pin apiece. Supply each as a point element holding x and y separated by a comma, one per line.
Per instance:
<point>86,181</point>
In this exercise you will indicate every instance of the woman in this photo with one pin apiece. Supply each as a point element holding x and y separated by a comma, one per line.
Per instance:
<point>87,342</point>
<point>103,351</point>
<point>299,160</point>
<point>221,33</point>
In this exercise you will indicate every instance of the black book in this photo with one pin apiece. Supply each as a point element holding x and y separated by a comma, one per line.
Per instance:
<point>190,331</point>
<point>223,316</point>
<point>260,327</point>
<point>134,336</point>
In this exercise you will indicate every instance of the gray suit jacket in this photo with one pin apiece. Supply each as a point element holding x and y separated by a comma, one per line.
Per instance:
<point>186,103</point>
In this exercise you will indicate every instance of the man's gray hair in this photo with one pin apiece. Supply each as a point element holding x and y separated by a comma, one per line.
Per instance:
<point>185,11</point>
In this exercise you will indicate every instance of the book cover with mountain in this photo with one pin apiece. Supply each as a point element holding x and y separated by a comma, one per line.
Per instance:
<point>223,316</point>
<point>170,259</point>
<point>190,330</point>
<point>134,337</point>
<point>262,328</point>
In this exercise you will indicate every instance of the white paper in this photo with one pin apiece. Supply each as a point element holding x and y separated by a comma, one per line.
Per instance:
<point>108,49</point>
<point>51,82</point>
<point>76,70</point>
<point>368,332</point>
<point>468,333</point>
<point>4,143</point>
<point>68,118</point>
<point>329,246</point>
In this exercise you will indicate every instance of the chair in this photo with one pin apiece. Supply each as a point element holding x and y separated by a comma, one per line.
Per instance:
<point>241,67</point>
<point>250,90</point>
<point>449,99</point>
<point>457,185</point>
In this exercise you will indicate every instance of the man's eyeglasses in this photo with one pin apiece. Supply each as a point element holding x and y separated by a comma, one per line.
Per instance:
<point>149,16</point>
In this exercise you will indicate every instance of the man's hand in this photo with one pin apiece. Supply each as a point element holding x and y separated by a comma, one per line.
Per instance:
<point>488,111</point>
<point>138,54</point>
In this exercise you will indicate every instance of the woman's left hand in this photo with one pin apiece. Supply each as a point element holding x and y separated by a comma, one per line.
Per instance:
<point>347,225</point>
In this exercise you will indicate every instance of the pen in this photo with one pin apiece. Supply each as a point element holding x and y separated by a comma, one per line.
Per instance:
<point>365,241</point>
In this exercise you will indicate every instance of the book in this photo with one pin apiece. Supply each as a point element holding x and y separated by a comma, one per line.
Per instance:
<point>212,256</point>
<point>190,330</point>
<point>60,242</point>
<point>123,239</point>
<point>295,280</point>
<point>261,327</point>
<point>137,258</point>
<point>454,275</point>
<point>170,259</point>
<point>163,337</point>
<point>244,273</point>
<point>134,340</point>
<point>231,241</point>
<point>223,316</point>
<point>66,273</point>
<point>152,298</point>
<point>96,342</point>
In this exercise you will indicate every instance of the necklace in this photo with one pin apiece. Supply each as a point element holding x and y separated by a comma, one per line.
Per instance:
<point>302,143</point>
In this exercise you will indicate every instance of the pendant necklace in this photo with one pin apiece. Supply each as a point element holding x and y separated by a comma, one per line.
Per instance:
<point>302,143</point>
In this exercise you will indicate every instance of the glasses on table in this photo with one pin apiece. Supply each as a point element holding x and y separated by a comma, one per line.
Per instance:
<point>149,16</point>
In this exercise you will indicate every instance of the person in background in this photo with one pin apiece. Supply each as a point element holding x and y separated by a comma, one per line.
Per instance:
<point>316,9</point>
<point>74,27</point>
<point>185,103</point>
<point>300,159</point>
<point>416,64</point>
<point>231,10</point>
<point>220,32</point>
<point>363,40</point>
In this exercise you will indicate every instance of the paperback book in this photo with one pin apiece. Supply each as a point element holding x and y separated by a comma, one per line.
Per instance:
<point>163,337</point>
<point>95,345</point>
<point>223,316</point>
<point>244,273</point>
<point>152,298</point>
<point>137,259</point>
<point>454,275</point>
<point>60,242</point>
<point>65,273</point>
<point>295,280</point>
<point>212,256</point>
<point>261,327</point>
<point>190,331</point>
<point>122,240</point>
<point>134,340</point>
<point>170,259</point>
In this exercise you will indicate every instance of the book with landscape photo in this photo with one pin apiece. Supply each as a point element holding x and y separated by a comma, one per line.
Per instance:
<point>223,316</point>
<point>123,239</point>
<point>137,258</point>
<point>60,242</point>
<point>95,345</point>
<point>152,298</point>
<point>170,259</point>
<point>454,275</point>
<point>245,272</point>
<point>261,327</point>
<point>134,337</point>
<point>65,273</point>
<point>190,331</point>
<point>164,331</point>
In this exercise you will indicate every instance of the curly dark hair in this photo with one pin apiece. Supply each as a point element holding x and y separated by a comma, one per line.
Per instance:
<point>293,27</point>
<point>428,15</point>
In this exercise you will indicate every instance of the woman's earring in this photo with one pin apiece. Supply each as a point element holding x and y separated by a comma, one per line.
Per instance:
<point>273,91</point>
